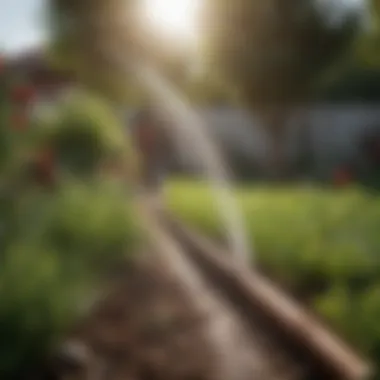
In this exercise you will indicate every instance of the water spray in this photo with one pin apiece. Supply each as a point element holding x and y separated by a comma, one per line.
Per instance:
<point>188,125</point>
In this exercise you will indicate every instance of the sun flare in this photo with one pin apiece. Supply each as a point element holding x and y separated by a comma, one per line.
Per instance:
<point>175,18</point>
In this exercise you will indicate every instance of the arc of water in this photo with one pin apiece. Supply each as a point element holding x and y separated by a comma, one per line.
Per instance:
<point>191,126</point>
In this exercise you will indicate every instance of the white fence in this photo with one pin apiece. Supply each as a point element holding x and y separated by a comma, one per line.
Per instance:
<point>334,131</point>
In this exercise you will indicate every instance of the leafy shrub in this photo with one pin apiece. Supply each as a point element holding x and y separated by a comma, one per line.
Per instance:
<point>62,246</point>
<point>57,247</point>
<point>355,316</point>
<point>84,133</point>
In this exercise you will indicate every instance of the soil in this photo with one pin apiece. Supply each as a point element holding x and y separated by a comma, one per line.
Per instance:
<point>150,327</point>
<point>145,328</point>
<point>164,319</point>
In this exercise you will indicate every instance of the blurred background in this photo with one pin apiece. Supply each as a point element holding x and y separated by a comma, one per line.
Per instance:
<point>288,93</point>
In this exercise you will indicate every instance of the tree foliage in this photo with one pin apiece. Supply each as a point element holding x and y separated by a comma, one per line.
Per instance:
<point>97,40</point>
<point>85,35</point>
<point>273,51</point>
<point>366,52</point>
<point>357,77</point>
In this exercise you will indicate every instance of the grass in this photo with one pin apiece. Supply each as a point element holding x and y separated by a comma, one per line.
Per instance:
<point>324,244</point>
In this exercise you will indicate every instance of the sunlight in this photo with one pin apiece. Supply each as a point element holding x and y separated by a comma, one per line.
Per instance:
<point>174,18</point>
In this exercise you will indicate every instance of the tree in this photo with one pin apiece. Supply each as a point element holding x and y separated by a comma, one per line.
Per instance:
<point>97,39</point>
<point>357,77</point>
<point>366,52</point>
<point>83,36</point>
<point>356,84</point>
<point>273,52</point>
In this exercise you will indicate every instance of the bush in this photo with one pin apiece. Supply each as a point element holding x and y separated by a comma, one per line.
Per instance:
<point>355,316</point>
<point>62,246</point>
<point>57,247</point>
<point>84,134</point>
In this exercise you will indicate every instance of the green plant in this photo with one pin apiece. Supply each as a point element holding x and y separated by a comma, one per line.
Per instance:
<point>61,249</point>
<point>324,244</point>
<point>83,133</point>
<point>57,247</point>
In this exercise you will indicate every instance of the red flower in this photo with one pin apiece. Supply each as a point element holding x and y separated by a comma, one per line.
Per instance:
<point>2,64</point>
<point>23,94</point>
<point>147,137</point>
<point>46,158</point>
<point>45,167</point>
<point>342,177</point>
<point>19,121</point>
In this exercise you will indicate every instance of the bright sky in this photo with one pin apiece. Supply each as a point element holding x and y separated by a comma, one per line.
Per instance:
<point>173,18</point>
<point>21,23</point>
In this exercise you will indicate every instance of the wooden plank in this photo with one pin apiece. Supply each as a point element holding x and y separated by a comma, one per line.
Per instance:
<point>295,322</point>
<point>243,351</point>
